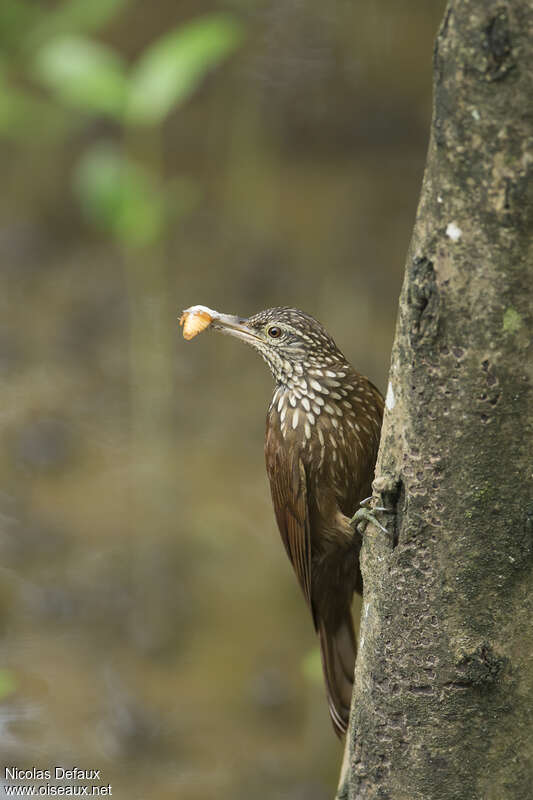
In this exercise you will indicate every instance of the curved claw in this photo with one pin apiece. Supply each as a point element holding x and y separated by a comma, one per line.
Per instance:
<point>364,515</point>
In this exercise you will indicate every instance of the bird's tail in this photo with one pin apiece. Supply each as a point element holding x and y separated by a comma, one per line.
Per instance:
<point>338,649</point>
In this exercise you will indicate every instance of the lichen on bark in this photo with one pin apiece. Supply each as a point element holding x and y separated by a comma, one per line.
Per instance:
<point>443,694</point>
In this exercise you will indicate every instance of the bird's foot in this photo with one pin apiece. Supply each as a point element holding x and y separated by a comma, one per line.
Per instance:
<point>365,515</point>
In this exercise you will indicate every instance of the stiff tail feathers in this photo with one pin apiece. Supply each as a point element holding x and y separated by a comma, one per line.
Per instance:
<point>338,649</point>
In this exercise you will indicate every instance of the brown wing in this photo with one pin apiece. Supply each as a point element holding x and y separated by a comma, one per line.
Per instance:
<point>288,486</point>
<point>362,445</point>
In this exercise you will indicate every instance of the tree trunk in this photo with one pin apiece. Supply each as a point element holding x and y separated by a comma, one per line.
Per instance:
<point>443,696</point>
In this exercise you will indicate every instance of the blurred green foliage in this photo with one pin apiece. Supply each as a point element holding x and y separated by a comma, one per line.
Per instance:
<point>118,193</point>
<point>83,73</point>
<point>169,71</point>
<point>87,75</point>
<point>120,196</point>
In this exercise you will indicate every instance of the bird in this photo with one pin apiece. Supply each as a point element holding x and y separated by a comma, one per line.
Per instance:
<point>321,443</point>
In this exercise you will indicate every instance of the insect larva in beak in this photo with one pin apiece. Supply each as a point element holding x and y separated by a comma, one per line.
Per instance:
<point>195,320</point>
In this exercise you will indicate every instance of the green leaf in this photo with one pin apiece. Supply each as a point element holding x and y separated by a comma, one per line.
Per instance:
<point>119,197</point>
<point>170,70</point>
<point>83,74</point>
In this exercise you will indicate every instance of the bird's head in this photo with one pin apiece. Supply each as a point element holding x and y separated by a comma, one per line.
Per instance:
<point>290,341</point>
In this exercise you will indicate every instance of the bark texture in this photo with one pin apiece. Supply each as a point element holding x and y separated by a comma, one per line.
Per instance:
<point>443,698</point>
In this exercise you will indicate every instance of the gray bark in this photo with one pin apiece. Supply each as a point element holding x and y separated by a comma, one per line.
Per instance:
<point>443,696</point>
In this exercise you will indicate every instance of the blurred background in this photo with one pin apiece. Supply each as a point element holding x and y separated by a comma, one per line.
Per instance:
<point>239,154</point>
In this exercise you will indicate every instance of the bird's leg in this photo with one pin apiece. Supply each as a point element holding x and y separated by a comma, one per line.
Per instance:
<point>365,515</point>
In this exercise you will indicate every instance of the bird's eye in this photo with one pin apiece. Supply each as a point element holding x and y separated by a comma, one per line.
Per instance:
<point>274,332</point>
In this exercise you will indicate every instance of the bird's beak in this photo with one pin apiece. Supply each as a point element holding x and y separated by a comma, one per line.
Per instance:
<point>234,326</point>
